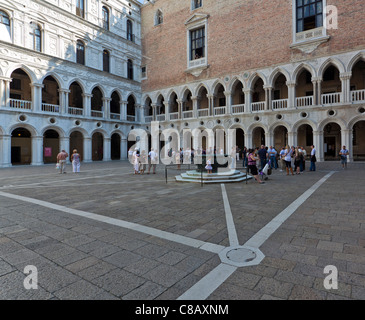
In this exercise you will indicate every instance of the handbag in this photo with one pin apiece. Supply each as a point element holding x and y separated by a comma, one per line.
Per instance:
<point>58,166</point>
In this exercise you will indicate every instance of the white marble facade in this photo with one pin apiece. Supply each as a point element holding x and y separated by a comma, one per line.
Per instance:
<point>37,80</point>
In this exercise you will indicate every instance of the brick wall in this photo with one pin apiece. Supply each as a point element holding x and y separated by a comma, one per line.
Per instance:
<point>242,35</point>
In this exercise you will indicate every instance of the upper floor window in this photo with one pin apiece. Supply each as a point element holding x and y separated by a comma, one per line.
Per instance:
<point>105,18</point>
<point>158,17</point>
<point>4,18</point>
<point>80,8</point>
<point>196,4</point>
<point>106,62</point>
<point>130,35</point>
<point>197,43</point>
<point>80,52</point>
<point>4,26</point>
<point>143,72</point>
<point>309,14</point>
<point>36,35</point>
<point>130,69</point>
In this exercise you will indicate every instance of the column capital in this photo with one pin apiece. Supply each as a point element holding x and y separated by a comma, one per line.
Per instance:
<point>345,75</point>
<point>247,90</point>
<point>6,79</point>
<point>227,93</point>
<point>64,90</point>
<point>87,95</point>
<point>37,85</point>
<point>268,87</point>
<point>106,99</point>
<point>291,83</point>
<point>316,79</point>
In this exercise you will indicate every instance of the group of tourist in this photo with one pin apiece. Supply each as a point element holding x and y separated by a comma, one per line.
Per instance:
<point>140,160</point>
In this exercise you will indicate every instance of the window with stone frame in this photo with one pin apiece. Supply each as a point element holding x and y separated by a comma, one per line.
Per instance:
<point>309,14</point>
<point>80,8</point>
<point>195,4</point>
<point>105,18</point>
<point>80,52</point>
<point>197,43</point>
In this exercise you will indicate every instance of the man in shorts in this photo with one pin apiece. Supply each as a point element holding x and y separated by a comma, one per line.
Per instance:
<point>343,154</point>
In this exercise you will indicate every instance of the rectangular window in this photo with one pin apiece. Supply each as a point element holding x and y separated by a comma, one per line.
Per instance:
<point>196,4</point>
<point>80,10</point>
<point>197,43</point>
<point>144,72</point>
<point>309,14</point>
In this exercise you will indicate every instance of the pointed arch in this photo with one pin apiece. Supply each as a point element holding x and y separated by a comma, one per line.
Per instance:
<point>303,66</point>
<point>276,73</point>
<point>331,61</point>
<point>358,57</point>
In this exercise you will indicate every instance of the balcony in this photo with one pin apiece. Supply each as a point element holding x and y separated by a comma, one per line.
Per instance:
<point>280,104</point>
<point>358,95</point>
<point>20,104</point>
<point>160,117</point>
<point>203,112</point>
<point>131,118</point>
<point>75,111</point>
<point>174,116</point>
<point>219,111</point>
<point>304,101</point>
<point>115,116</point>
<point>46,107</point>
<point>187,114</point>
<point>148,119</point>
<point>97,114</point>
<point>258,106</point>
<point>331,98</point>
<point>238,108</point>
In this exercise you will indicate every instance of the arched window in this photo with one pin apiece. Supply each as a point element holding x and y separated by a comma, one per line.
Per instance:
<point>80,8</point>
<point>130,69</point>
<point>4,26</point>
<point>80,52</point>
<point>36,35</point>
<point>106,62</point>
<point>158,17</point>
<point>130,35</point>
<point>105,18</point>
<point>4,18</point>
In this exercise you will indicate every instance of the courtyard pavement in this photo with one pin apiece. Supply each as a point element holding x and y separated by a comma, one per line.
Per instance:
<point>105,233</point>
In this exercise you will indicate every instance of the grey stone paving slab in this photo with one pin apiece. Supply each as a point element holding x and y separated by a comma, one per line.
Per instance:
<point>119,282</point>
<point>85,259</point>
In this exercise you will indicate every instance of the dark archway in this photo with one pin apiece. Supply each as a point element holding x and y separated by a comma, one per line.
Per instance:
<point>21,146</point>
<point>115,146</point>
<point>51,146</point>
<point>97,146</point>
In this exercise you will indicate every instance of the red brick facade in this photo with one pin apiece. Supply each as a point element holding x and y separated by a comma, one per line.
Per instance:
<point>241,36</point>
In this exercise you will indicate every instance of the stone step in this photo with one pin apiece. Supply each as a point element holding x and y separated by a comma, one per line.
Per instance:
<point>181,179</point>
<point>211,177</point>
<point>229,176</point>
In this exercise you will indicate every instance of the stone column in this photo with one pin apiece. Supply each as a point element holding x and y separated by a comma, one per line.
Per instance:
<point>167,111</point>
<point>292,139</point>
<point>87,104</point>
<point>106,107</point>
<point>318,145</point>
<point>6,90</point>
<point>37,96</point>
<point>123,149</point>
<point>64,102</point>
<point>210,104</point>
<point>2,93</point>
<point>248,140</point>
<point>37,150</point>
<point>154,112</point>
<point>87,149</point>
<point>106,149</point>
<point>194,99</point>
<point>179,107</point>
<point>269,139</point>
<point>268,97</point>
<point>291,94</point>
<point>346,140</point>
<point>6,151</point>
<point>345,87</point>
<point>123,110</point>
<point>248,100</point>
<point>228,95</point>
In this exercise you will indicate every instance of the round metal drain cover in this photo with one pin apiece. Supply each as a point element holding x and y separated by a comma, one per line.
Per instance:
<point>241,255</point>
